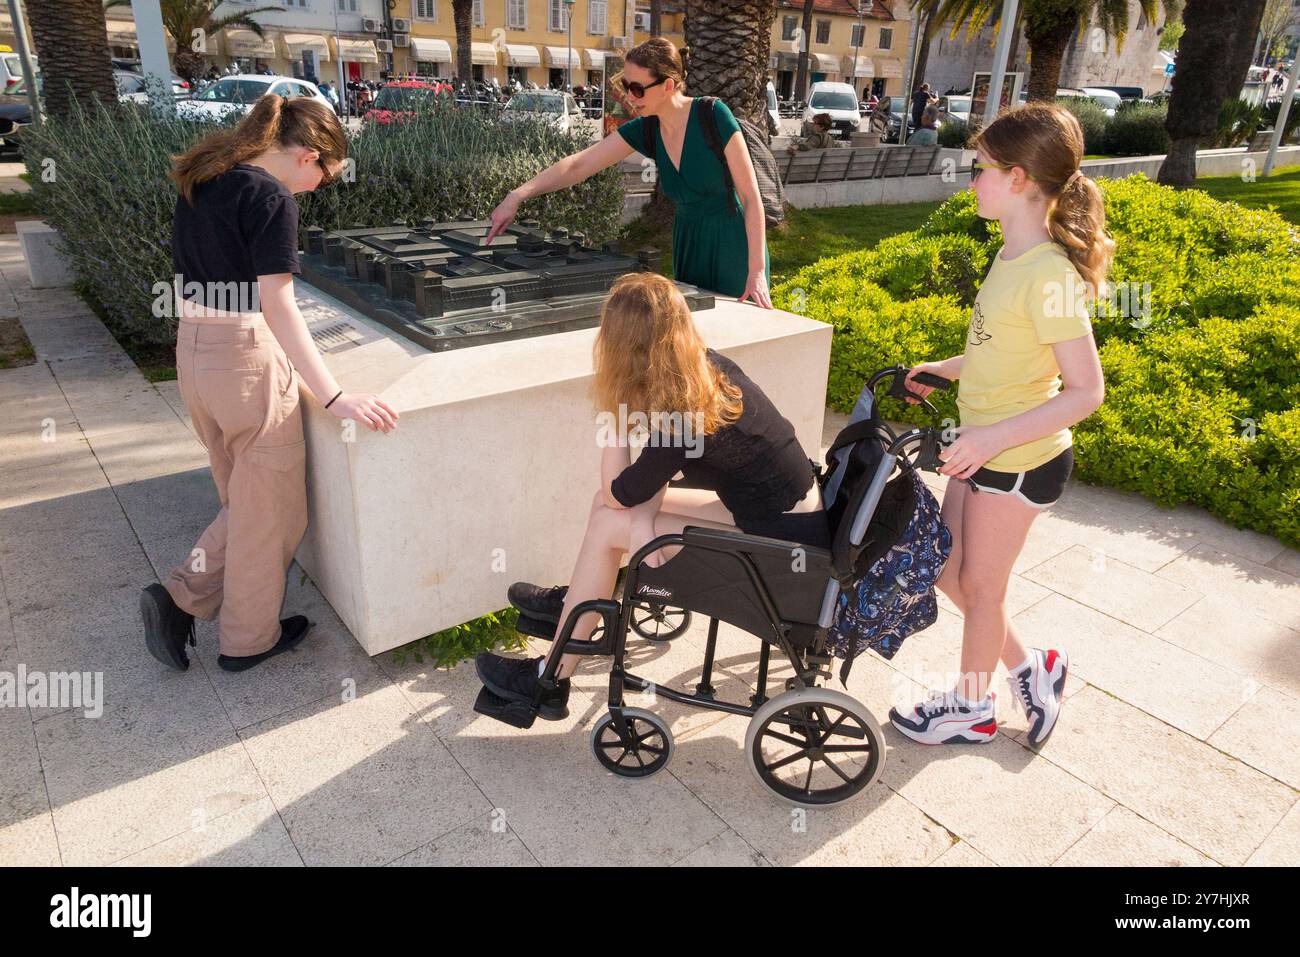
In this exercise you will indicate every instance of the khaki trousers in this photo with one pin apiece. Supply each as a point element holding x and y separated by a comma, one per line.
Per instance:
<point>242,395</point>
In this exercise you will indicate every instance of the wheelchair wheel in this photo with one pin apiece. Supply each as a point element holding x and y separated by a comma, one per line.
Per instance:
<point>814,746</point>
<point>658,623</point>
<point>649,749</point>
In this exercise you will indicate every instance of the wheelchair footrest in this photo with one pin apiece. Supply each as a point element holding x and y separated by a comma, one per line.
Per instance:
<point>514,713</point>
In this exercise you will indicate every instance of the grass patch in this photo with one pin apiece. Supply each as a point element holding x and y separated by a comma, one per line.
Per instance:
<point>1279,192</point>
<point>15,348</point>
<point>17,204</point>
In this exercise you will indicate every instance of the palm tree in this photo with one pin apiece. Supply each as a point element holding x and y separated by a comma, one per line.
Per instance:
<point>801,78</point>
<point>462,12</point>
<point>71,41</point>
<point>1213,59</point>
<point>656,17</point>
<point>182,18</point>
<point>730,42</point>
<point>1048,26</point>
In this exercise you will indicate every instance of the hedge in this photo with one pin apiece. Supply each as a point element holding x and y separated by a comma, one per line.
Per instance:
<point>1202,392</point>
<point>100,178</point>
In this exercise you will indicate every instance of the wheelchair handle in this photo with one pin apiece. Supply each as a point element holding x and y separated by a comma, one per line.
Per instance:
<point>898,386</point>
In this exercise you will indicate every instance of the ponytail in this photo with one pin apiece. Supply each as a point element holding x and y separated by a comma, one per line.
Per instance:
<point>1077,222</point>
<point>273,121</point>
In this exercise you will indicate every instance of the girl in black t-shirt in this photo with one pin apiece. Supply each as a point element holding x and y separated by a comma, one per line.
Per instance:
<point>242,350</point>
<point>738,455</point>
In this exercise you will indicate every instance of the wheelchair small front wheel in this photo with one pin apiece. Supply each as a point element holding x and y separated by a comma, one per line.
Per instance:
<point>814,746</point>
<point>644,749</point>
<point>658,622</point>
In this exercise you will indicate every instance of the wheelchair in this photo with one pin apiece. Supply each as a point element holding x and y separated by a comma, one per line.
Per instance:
<point>806,744</point>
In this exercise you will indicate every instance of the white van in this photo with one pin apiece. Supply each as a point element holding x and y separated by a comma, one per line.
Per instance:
<point>840,100</point>
<point>11,68</point>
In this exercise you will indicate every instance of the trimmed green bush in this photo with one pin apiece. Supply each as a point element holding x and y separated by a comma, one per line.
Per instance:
<point>1202,391</point>
<point>100,178</point>
<point>1091,117</point>
<point>954,134</point>
<point>1137,129</point>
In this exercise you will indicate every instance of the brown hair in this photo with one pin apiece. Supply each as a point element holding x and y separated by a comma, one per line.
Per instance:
<point>273,121</point>
<point>1046,141</point>
<point>660,57</point>
<point>823,120</point>
<point>649,357</point>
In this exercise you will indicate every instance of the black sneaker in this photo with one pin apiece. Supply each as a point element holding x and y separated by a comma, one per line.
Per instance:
<point>292,631</point>
<point>544,630</point>
<point>538,603</point>
<point>166,627</point>
<point>516,679</point>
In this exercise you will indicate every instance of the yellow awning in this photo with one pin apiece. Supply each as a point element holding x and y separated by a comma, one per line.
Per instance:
<point>483,54</point>
<point>248,43</point>
<point>430,50</point>
<point>888,66</point>
<point>864,66</point>
<point>521,54</point>
<point>824,63</point>
<point>595,58</point>
<point>296,43</point>
<point>356,51</point>
<point>562,57</point>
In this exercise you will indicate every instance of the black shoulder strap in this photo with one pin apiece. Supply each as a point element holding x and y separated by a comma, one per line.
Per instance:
<point>709,126</point>
<point>649,127</point>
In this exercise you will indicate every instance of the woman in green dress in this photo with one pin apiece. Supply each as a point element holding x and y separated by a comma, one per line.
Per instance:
<point>713,247</point>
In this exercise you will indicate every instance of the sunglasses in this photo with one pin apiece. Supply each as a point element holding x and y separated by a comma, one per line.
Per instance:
<point>328,178</point>
<point>638,89</point>
<point>977,168</point>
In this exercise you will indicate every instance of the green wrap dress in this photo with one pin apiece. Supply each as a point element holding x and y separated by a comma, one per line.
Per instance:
<point>710,246</point>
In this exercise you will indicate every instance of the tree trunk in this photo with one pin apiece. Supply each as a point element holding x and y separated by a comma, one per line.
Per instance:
<point>462,12</point>
<point>1048,36</point>
<point>923,53</point>
<point>656,18</point>
<point>1213,59</point>
<point>730,43</point>
<point>71,42</point>
<point>801,77</point>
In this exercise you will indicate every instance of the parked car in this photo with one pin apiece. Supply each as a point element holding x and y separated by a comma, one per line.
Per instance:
<point>131,87</point>
<point>11,68</point>
<point>15,114</point>
<point>399,100</point>
<point>1128,94</point>
<point>840,100</point>
<point>1108,100</point>
<point>773,111</point>
<point>560,109</point>
<point>898,109</point>
<point>237,94</point>
<point>954,108</point>
<point>180,87</point>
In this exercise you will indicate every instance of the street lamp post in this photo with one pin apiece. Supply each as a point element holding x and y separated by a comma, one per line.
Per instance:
<point>568,9</point>
<point>857,48</point>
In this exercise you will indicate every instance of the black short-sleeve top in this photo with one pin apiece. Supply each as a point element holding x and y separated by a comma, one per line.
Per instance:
<point>242,224</point>
<point>755,464</point>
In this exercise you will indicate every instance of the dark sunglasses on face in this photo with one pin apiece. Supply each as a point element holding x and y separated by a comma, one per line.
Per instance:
<point>327,178</point>
<point>638,89</point>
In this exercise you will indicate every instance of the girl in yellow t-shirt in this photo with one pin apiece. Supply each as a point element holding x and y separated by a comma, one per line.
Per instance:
<point>1029,333</point>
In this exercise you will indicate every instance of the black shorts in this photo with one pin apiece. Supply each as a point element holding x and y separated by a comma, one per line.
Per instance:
<point>1038,487</point>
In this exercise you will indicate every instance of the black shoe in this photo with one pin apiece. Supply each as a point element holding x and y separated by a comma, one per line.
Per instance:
<point>516,679</point>
<point>538,603</point>
<point>166,627</point>
<point>292,631</point>
<point>544,630</point>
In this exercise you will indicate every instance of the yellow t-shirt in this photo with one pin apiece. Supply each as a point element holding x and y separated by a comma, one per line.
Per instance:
<point>1024,305</point>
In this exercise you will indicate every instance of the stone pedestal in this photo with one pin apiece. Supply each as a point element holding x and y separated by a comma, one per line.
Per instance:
<point>47,267</point>
<point>489,476</point>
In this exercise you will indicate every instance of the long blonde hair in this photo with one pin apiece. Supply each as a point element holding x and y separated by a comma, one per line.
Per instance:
<point>1046,141</point>
<point>649,358</point>
<point>273,121</point>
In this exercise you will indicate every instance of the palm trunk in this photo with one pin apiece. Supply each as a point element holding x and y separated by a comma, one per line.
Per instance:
<point>801,78</point>
<point>1047,40</point>
<point>1213,59</point>
<point>923,54</point>
<point>463,14</point>
<point>730,42</point>
<point>71,41</point>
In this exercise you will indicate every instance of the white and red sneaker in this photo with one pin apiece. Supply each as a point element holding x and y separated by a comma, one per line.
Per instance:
<point>1037,689</point>
<point>943,718</point>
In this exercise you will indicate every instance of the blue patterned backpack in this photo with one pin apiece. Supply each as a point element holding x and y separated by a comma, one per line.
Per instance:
<point>891,593</point>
